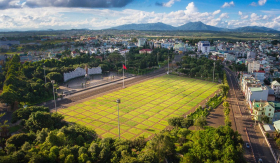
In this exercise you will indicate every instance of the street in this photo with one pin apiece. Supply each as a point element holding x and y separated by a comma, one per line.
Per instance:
<point>242,122</point>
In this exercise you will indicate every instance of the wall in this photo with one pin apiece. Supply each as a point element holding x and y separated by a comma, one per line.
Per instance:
<point>78,72</point>
<point>259,95</point>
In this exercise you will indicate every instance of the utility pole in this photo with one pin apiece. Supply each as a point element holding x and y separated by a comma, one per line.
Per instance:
<point>45,74</point>
<point>53,81</point>
<point>157,59</point>
<point>168,65</point>
<point>213,71</point>
<point>119,101</point>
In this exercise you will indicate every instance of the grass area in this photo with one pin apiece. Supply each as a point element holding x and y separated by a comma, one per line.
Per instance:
<point>144,108</point>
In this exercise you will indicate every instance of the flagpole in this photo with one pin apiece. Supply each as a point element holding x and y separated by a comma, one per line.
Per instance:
<point>123,77</point>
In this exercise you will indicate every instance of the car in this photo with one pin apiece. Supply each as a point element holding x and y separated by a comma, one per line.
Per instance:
<point>260,160</point>
<point>247,145</point>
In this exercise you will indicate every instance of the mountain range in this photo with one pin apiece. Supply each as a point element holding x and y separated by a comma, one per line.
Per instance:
<point>191,26</point>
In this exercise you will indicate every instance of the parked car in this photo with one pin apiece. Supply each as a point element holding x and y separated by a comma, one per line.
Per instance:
<point>247,145</point>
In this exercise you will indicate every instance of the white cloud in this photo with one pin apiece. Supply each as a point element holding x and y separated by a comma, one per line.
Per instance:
<point>216,12</point>
<point>226,4</point>
<point>255,17</point>
<point>244,16</point>
<point>58,18</point>
<point>191,8</point>
<point>224,15</point>
<point>239,13</point>
<point>253,4</point>
<point>272,11</point>
<point>265,17</point>
<point>170,3</point>
<point>261,2</point>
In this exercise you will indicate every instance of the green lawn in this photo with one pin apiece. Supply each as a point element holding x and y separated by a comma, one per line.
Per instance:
<point>144,108</point>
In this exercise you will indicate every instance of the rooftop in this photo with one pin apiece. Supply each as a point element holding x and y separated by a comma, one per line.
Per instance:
<point>256,89</point>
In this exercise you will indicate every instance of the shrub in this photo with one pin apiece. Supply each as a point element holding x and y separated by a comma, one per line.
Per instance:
<point>278,142</point>
<point>24,113</point>
<point>19,139</point>
<point>175,121</point>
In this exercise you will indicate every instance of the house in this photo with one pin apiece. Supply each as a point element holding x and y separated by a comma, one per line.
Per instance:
<point>157,45</point>
<point>261,109</point>
<point>276,87</point>
<point>143,51</point>
<point>256,94</point>
<point>131,46</point>
<point>259,75</point>
<point>74,54</point>
<point>203,46</point>
<point>2,59</point>
<point>251,55</point>
<point>276,111</point>
<point>276,125</point>
<point>253,66</point>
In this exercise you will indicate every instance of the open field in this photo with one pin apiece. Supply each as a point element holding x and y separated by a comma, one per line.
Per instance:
<point>144,108</point>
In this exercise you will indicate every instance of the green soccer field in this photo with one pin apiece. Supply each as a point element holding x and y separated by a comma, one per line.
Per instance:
<point>144,108</point>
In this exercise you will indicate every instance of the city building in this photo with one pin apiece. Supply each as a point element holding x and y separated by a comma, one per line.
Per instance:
<point>203,46</point>
<point>276,87</point>
<point>259,75</point>
<point>253,66</point>
<point>141,42</point>
<point>251,55</point>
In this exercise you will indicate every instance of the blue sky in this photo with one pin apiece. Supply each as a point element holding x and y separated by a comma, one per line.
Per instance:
<point>102,14</point>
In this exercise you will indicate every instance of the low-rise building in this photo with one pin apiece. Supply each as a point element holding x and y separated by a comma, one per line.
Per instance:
<point>276,87</point>
<point>259,75</point>
<point>261,109</point>
<point>256,94</point>
<point>143,51</point>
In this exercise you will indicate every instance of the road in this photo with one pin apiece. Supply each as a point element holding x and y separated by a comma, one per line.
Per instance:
<point>242,122</point>
<point>102,89</point>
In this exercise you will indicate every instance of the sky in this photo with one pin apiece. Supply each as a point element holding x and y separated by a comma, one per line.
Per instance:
<point>103,14</point>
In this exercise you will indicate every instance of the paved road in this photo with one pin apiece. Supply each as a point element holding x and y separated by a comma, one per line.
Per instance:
<point>99,90</point>
<point>243,123</point>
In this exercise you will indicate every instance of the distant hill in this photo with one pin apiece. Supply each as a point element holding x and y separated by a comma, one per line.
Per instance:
<point>253,29</point>
<point>191,26</point>
<point>198,26</point>
<point>147,26</point>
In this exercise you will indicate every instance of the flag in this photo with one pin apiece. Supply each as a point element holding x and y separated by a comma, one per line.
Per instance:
<point>124,67</point>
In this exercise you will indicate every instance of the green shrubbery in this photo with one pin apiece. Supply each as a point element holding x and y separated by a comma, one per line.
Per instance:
<point>24,113</point>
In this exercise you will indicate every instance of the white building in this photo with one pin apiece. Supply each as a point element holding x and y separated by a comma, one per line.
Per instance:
<point>253,66</point>
<point>141,42</point>
<point>203,46</point>
<point>276,87</point>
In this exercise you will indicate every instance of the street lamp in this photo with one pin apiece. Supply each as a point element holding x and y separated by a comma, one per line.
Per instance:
<point>45,74</point>
<point>53,81</point>
<point>213,71</point>
<point>119,101</point>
